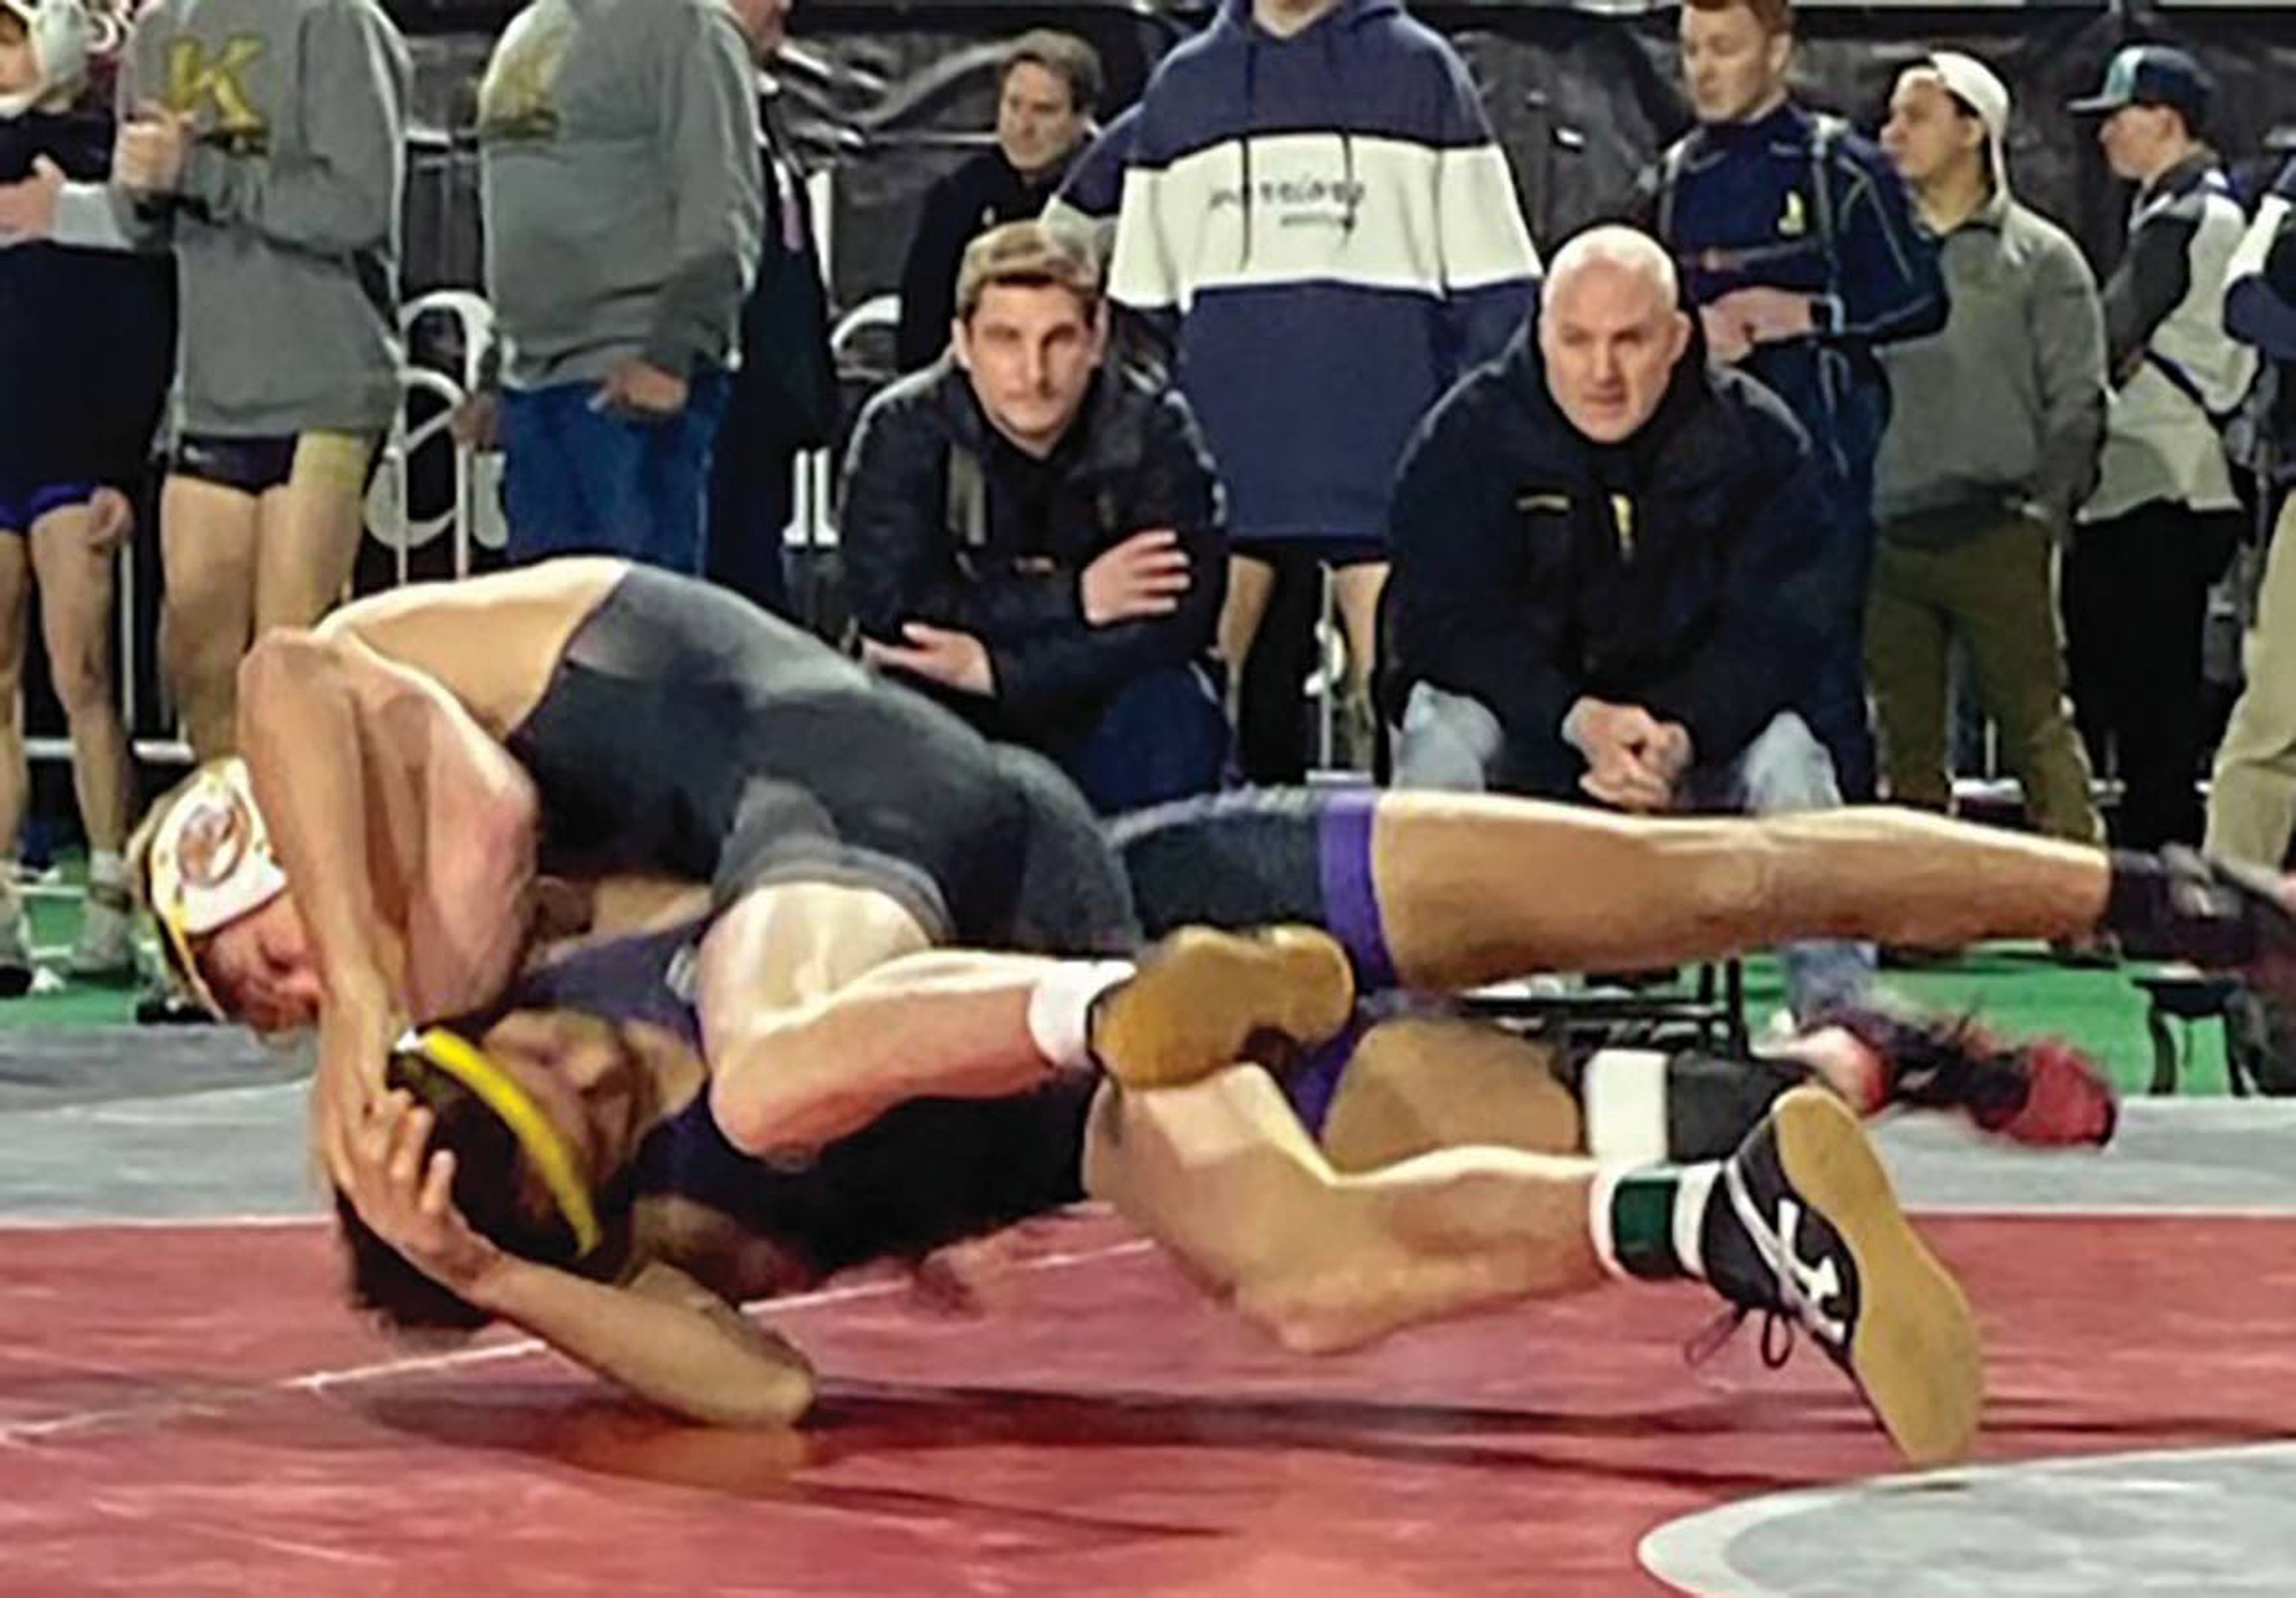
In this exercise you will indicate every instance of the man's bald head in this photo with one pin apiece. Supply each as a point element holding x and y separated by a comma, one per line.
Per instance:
<point>1616,248</point>
<point>1611,328</point>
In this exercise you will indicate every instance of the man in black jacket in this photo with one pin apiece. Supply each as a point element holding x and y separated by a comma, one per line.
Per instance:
<point>1034,534</point>
<point>1611,568</point>
<point>1046,92</point>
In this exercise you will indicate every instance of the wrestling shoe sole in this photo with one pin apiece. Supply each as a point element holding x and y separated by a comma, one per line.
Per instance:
<point>1203,1000</point>
<point>1913,1350</point>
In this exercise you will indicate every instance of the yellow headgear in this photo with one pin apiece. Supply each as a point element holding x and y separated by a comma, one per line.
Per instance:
<point>544,1148</point>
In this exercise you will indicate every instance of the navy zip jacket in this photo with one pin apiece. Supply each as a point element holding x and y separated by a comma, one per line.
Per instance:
<point>1742,209</point>
<point>86,336</point>
<point>1689,570</point>
<point>1132,460</point>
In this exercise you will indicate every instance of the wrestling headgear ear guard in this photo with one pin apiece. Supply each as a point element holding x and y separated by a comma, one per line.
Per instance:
<point>435,1050</point>
<point>209,863</point>
<point>60,34</point>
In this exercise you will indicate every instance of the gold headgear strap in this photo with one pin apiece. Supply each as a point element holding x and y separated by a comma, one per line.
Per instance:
<point>537,1139</point>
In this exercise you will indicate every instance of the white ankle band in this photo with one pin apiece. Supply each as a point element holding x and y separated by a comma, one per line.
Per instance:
<point>1622,1094</point>
<point>1060,1009</point>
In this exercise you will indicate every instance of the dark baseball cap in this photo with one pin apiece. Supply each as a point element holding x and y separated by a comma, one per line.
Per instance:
<point>2151,75</point>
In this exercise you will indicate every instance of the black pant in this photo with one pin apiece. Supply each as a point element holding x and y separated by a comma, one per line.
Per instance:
<point>2135,599</point>
<point>751,501</point>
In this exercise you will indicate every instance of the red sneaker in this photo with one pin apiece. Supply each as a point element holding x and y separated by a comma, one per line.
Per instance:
<point>2044,1092</point>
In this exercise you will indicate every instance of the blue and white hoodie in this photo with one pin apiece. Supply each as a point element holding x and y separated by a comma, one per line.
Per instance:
<point>1333,227</point>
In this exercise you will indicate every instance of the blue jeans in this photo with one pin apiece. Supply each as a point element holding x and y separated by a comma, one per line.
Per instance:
<point>1163,736</point>
<point>578,479</point>
<point>1453,742</point>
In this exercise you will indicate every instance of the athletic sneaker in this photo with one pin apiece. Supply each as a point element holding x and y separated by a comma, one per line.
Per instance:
<point>105,950</point>
<point>1803,1226</point>
<point>15,952</point>
<point>2044,1091</point>
<point>1202,1000</point>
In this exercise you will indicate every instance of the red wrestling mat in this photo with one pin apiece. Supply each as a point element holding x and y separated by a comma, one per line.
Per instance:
<point>189,1410</point>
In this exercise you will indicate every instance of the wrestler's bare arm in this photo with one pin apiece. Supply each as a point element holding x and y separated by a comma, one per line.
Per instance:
<point>663,1335</point>
<point>491,642</point>
<point>408,835</point>
<point>823,1005</point>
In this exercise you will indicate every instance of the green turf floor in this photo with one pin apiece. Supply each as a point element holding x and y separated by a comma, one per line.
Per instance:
<point>2014,986</point>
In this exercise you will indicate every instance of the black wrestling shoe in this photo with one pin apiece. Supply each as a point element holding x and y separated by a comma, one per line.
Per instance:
<point>1202,1000</point>
<point>1804,1226</point>
<point>2215,913</point>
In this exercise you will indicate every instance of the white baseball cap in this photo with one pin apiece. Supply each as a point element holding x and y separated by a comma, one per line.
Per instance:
<point>1974,83</point>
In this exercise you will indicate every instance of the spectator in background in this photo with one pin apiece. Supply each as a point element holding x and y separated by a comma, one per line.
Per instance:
<point>1801,252</point>
<point>2164,520</point>
<point>1045,96</point>
<point>1609,560</point>
<point>2252,799</point>
<point>1991,447</point>
<point>1033,535</point>
<point>84,344</point>
<point>622,197</point>
<point>1317,208</point>
<point>783,397</point>
<point>265,145</point>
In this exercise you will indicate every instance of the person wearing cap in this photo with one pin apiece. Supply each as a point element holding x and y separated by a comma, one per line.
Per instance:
<point>85,348</point>
<point>1802,255</point>
<point>1034,534</point>
<point>1047,87</point>
<point>2162,522</point>
<point>1991,447</point>
<point>2252,791</point>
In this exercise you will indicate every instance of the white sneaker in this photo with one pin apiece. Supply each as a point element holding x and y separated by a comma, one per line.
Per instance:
<point>105,952</point>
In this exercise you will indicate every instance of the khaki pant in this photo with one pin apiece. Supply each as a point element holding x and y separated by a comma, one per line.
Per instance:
<point>1996,591</point>
<point>2252,800</point>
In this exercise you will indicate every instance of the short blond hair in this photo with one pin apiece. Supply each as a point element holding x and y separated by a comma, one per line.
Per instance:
<point>1026,255</point>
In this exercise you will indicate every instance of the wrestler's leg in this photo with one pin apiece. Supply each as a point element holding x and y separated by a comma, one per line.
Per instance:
<point>1473,889</point>
<point>824,1004</point>
<point>1416,1083</point>
<point>1450,890</point>
<point>1224,1177</point>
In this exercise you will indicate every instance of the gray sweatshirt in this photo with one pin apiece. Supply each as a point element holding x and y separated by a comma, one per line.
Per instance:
<point>286,230</point>
<point>622,195</point>
<point>2003,408</point>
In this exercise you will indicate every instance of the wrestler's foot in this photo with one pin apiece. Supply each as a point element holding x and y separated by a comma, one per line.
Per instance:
<point>1202,1000</point>
<point>1803,1225</point>
<point>2216,913</point>
<point>2046,1091</point>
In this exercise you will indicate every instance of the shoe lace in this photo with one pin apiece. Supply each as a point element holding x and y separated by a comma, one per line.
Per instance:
<point>1777,1338</point>
<point>1800,1290</point>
